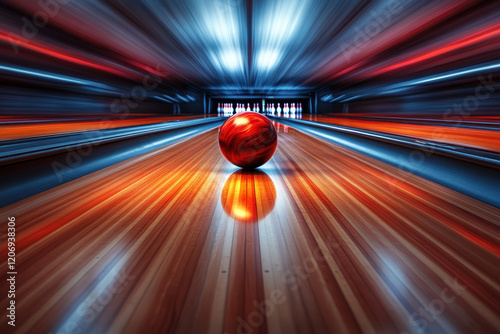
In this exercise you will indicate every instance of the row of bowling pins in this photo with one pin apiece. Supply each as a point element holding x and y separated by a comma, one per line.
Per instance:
<point>228,109</point>
<point>291,109</point>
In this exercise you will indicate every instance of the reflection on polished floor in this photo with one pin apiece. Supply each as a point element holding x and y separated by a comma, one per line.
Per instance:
<point>321,240</point>
<point>248,195</point>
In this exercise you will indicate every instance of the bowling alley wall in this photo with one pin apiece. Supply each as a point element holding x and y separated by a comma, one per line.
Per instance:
<point>57,100</point>
<point>479,96</point>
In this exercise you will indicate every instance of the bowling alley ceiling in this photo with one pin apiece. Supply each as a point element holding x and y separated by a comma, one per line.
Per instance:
<point>249,47</point>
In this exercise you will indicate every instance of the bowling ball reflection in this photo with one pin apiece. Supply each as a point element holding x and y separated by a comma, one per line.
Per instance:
<point>248,195</point>
<point>248,139</point>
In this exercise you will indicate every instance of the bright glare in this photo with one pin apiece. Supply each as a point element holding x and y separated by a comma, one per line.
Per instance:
<point>231,60</point>
<point>241,213</point>
<point>267,59</point>
<point>240,121</point>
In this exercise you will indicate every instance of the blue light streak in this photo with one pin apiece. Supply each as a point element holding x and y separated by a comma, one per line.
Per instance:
<point>45,75</point>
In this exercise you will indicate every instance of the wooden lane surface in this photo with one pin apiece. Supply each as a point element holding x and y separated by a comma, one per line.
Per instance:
<point>322,240</point>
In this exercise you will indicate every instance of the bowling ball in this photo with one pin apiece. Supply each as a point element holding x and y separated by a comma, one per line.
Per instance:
<point>248,139</point>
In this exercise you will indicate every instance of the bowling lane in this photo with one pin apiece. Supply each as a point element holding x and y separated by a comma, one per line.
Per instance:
<point>473,132</point>
<point>320,240</point>
<point>31,126</point>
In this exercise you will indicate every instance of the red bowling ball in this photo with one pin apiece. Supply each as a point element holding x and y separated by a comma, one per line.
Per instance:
<point>248,139</point>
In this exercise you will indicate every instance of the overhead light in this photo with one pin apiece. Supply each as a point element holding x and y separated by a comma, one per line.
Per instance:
<point>52,76</point>
<point>327,98</point>
<point>221,23</point>
<point>162,99</point>
<point>267,59</point>
<point>181,98</point>
<point>230,60</point>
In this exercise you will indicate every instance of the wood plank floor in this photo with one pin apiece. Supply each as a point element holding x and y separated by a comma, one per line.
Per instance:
<point>320,240</point>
